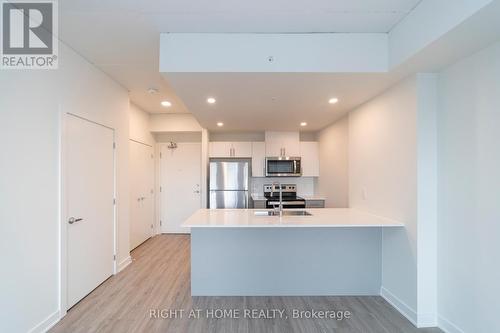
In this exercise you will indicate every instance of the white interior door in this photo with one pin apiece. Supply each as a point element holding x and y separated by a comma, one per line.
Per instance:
<point>180,170</point>
<point>89,186</point>
<point>141,193</point>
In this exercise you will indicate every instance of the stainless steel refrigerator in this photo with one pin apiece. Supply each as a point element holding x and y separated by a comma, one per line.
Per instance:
<point>228,183</point>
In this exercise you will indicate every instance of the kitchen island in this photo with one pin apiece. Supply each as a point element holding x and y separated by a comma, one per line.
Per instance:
<point>331,252</point>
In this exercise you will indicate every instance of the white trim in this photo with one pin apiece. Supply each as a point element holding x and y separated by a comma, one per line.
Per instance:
<point>447,326</point>
<point>46,324</point>
<point>426,320</point>
<point>124,263</point>
<point>63,251</point>
<point>399,305</point>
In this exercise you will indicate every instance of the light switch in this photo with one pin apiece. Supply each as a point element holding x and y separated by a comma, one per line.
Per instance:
<point>364,194</point>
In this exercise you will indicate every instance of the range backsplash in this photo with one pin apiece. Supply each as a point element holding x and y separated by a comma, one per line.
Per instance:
<point>305,185</point>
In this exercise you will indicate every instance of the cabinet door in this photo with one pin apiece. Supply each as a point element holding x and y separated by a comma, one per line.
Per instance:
<point>309,159</point>
<point>291,144</point>
<point>220,149</point>
<point>242,149</point>
<point>315,203</point>
<point>259,204</point>
<point>274,149</point>
<point>258,159</point>
<point>282,143</point>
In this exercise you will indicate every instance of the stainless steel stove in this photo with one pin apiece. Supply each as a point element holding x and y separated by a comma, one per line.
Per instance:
<point>289,195</point>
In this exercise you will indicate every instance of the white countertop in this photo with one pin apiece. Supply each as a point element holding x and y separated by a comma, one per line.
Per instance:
<point>257,197</point>
<point>312,197</point>
<point>321,217</point>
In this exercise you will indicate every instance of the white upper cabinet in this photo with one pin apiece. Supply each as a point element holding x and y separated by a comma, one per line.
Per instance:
<point>230,149</point>
<point>242,149</point>
<point>282,144</point>
<point>309,153</point>
<point>277,144</point>
<point>220,149</point>
<point>258,159</point>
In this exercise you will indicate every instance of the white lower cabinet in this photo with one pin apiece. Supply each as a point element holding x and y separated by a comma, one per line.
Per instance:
<point>315,203</point>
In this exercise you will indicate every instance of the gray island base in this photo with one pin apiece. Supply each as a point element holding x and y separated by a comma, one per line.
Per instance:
<point>257,257</point>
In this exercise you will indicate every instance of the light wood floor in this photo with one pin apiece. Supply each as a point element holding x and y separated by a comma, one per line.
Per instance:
<point>159,278</point>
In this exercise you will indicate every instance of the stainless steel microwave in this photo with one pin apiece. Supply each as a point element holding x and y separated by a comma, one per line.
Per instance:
<point>283,167</point>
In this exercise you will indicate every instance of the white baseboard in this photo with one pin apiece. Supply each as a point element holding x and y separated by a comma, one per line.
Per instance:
<point>46,324</point>
<point>399,305</point>
<point>447,326</point>
<point>427,320</point>
<point>418,320</point>
<point>124,263</point>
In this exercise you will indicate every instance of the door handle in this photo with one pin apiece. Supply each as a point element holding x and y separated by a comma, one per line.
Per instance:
<point>72,220</point>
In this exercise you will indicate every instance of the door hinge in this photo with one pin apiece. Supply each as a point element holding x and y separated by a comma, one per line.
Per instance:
<point>160,188</point>
<point>114,145</point>
<point>160,223</point>
<point>114,257</point>
<point>152,156</point>
<point>114,201</point>
<point>151,226</point>
<point>160,155</point>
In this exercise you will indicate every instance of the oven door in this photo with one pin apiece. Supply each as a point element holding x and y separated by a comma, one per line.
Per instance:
<point>283,167</point>
<point>272,203</point>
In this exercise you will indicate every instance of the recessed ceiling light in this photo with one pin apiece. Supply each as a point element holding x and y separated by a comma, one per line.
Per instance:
<point>303,124</point>
<point>166,104</point>
<point>220,124</point>
<point>333,100</point>
<point>210,100</point>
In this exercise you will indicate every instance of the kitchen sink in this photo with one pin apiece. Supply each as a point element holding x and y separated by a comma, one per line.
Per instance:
<point>285,213</point>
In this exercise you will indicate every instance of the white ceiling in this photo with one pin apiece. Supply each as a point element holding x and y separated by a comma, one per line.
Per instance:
<point>274,101</point>
<point>122,36</point>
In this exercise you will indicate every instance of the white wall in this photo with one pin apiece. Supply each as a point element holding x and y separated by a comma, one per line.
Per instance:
<point>468,194</point>
<point>139,126</point>
<point>30,106</point>
<point>382,180</point>
<point>333,181</point>
<point>392,172</point>
<point>174,123</point>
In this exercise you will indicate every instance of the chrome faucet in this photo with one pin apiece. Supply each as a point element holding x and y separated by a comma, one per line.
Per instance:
<point>273,189</point>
